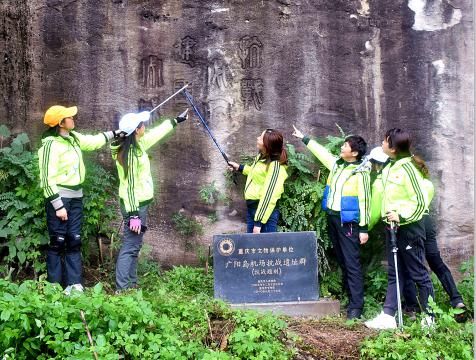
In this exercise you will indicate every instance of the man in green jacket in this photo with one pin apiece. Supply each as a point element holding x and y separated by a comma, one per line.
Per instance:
<point>347,202</point>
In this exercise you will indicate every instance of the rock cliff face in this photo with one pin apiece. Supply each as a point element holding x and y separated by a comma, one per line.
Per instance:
<point>367,66</point>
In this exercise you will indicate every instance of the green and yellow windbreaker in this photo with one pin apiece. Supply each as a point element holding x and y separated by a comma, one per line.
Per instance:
<point>137,189</point>
<point>347,190</point>
<point>405,191</point>
<point>61,162</point>
<point>377,197</point>
<point>265,183</point>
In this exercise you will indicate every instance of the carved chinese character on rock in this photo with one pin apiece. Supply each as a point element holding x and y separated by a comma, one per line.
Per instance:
<point>186,50</point>
<point>219,74</point>
<point>250,52</point>
<point>152,72</point>
<point>252,93</point>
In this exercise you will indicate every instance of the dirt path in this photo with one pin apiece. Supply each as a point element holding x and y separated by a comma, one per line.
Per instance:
<point>328,338</point>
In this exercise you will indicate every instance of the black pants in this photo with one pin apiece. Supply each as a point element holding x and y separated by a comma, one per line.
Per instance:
<point>410,244</point>
<point>346,242</point>
<point>433,257</point>
<point>63,262</point>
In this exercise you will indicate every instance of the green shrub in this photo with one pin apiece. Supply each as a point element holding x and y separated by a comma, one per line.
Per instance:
<point>186,225</point>
<point>210,195</point>
<point>22,224</point>
<point>465,287</point>
<point>446,339</point>
<point>22,205</point>
<point>172,319</point>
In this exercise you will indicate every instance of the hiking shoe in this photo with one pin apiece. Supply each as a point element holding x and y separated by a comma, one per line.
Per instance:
<point>74,287</point>
<point>382,322</point>
<point>354,314</point>
<point>460,317</point>
<point>411,314</point>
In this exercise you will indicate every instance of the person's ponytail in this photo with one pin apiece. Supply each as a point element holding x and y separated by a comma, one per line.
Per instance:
<point>283,159</point>
<point>421,166</point>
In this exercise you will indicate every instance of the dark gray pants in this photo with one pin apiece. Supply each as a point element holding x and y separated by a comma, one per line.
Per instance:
<point>346,243</point>
<point>63,261</point>
<point>126,265</point>
<point>437,265</point>
<point>410,257</point>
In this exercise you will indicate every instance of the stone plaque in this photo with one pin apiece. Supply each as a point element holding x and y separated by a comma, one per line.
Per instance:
<point>270,267</point>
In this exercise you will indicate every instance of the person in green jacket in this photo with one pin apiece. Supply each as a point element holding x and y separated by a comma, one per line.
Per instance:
<point>404,203</point>
<point>62,173</point>
<point>346,200</point>
<point>378,159</point>
<point>264,182</point>
<point>136,188</point>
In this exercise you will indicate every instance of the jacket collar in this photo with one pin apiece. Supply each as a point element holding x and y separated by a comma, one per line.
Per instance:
<point>341,161</point>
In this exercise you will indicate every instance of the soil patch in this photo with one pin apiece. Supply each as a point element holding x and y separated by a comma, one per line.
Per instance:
<point>329,338</point>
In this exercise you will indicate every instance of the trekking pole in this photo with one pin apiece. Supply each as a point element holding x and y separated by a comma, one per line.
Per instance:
<point>170,97</point>
<point>393,244</point>
<point>202,120</point>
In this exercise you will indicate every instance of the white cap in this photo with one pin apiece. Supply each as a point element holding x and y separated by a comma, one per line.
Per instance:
<point>131,121</point>
<point>378,155</point>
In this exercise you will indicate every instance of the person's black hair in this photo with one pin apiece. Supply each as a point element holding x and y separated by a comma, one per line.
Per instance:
<point>55,131</point>
<point>127,145</point>
<point>51,131</point>
<point>400,141</point>
<point>357,143</point>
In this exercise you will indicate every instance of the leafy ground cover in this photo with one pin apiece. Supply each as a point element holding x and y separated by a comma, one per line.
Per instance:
<point>174,316</point>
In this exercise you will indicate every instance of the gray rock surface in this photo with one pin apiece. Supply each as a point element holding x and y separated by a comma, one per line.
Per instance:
<point>367,66</point>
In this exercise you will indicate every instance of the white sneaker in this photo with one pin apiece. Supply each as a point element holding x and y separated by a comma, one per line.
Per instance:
<point>74,287</point>
<point>427,322</point>
<point>382,322</point>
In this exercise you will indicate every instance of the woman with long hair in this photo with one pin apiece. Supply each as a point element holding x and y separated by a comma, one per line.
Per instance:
<point>404,204</point>
<point>62,173</point>
<point>264,182</point>
<point>136,188</point>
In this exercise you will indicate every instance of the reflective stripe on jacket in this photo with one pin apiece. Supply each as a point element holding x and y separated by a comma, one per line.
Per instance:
<point>264,182</point>
<point>61,161</point>
<point>138,188</point>
<point>404,191</point>
<point>376,201</point>
<point>347,191</point>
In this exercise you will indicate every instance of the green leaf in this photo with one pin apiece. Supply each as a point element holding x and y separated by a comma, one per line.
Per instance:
<point>21,257</point>
<point>4,132</point>
<point>5,315</point>
<point>98,288</point>
<point>101,341</point>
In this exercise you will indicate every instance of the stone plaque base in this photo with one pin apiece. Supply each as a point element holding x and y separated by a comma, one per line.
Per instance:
<point>316,309</point>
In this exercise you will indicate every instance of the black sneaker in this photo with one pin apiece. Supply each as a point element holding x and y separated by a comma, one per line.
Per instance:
<point>354,314</point>
<point>461,318</point>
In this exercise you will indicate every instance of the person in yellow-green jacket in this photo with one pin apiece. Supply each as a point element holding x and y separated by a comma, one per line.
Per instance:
<point>404,203</point>
<point>347,203</point>
<point>62,173</point>
<point>378,159</point>
<point>136,188</point>
<point>264,182</point>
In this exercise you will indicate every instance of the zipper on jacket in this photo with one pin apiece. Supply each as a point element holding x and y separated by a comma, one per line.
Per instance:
<point>79,161</point>
<point>251,171</point>
<point>341,191</point>
<point>337,179</point>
